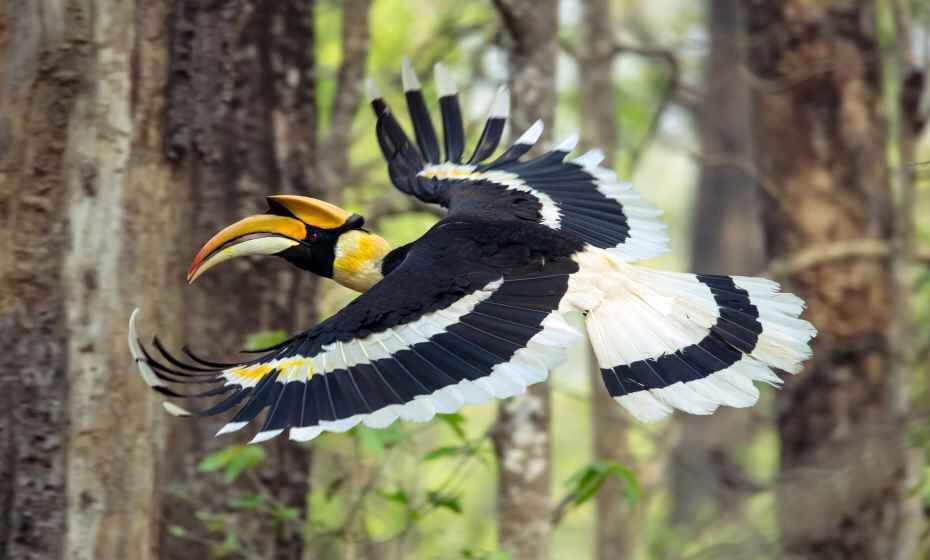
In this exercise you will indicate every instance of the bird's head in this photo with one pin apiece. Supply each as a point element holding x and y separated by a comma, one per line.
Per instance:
<point>309,233</point>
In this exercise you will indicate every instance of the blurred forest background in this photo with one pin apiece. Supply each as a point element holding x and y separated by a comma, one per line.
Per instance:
<point>783,137</point>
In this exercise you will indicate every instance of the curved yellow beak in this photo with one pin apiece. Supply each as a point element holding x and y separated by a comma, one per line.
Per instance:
<point>282,232</point>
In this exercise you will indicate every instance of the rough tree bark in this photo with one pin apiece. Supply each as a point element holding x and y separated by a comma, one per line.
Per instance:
<point>88,209</point>
<point>615,529</point>
<point>521,434</point>
<point>705,476</point>
<point>243,122</point>
<point>821,150</point>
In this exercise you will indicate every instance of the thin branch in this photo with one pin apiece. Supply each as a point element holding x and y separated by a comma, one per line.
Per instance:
<point>667,56</point>
<point>669,94</point>
<point>749,168</point>
<point>655,122</point>
<point>355,39</point>
<point>922,257</point>
<point>569,48</point>
<point>561,509</point>
<point>822,254</point>
<point>394,203</point>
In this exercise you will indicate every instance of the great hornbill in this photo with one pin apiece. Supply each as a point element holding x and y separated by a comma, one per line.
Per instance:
<point>474,309</point>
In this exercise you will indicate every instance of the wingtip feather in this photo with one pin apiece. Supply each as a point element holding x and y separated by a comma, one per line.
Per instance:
<point>445,84</point>
<point>500,107</point>
<point>265,436</point>
<point>174,409</point>
<point>568,144</point>
<point>408,76</point>
<point>231,427</point>
<point>532,134</point>
<point>372,89</point>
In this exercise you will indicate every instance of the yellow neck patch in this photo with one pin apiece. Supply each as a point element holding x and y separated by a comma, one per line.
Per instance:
<point>358,259</point>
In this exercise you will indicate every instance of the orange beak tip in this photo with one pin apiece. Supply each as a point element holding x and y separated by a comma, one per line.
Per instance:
<point>192,271</point>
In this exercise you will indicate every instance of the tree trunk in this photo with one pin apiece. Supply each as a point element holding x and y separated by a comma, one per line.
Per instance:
<point>521,434</point>
<point>90,212</point>
<point>243,122</point>
<point>821,146</point>
<point>615,526</point>
<point>705,476</point>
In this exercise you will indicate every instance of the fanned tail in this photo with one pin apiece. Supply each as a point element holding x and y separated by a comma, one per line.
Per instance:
<point>668,340</point>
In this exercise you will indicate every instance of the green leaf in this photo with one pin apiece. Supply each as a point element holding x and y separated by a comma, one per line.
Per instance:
<point>439,500</point>
<point>332,489</point>
<point>472,554</point>
<point>631,489</point>
<point>230,543</point>
<point>177,531</point>
<point>374,442</point>
<point>588,480</point>
<point>234,459</point>
<point>215,461</point>
<point>214,522</point>
<point>445,451</point>
<point>264,339</point>
<point>248,501</point>
<point>455,422</point>
<point>286,513</point>
<point>326,512</point>
<point>246,456</point>
<point>369,441</point>
<point>398,496</point>
<point>588,484</point>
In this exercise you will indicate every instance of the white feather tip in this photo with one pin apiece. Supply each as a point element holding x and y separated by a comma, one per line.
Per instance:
<point>174,409</point>
<point>306,433</point>
<point>133,335</point>
<point>265,436</point>
<point>231,427</point>
<point>532,134</point>
<point>372,90</point>
<point>500,107</point>
<point>568,144</point>
<point>408,76</point>
<point>445,85</point>
<point>590,159</point>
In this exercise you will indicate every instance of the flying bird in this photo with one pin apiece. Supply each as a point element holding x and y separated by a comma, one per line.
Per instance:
<point>476,308</point>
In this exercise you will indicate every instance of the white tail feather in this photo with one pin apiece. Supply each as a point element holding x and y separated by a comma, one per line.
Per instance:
<point>669,340</point>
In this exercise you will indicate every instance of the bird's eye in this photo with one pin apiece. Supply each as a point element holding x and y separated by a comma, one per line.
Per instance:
<point>313,236</point>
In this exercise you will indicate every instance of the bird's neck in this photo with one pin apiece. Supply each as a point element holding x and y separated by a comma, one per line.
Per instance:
<point>357,265</point>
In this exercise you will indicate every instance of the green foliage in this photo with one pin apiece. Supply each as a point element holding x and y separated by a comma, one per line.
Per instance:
<point>447,501</point>
<point>248,500</point>
<point>585,483</point>
<point>455,422</point>
<point>373,443</point>
<point>265,339</point>
<point>177,531</point>
<point>326,511</point>
<point>398,496</point>
<point>922,488</point>
<point>471,554</point>
<point>233,460</point>
<point>444,451</point>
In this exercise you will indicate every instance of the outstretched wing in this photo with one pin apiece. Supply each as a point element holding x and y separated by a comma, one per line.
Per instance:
<point>578,197</point>
<point>458,321</point>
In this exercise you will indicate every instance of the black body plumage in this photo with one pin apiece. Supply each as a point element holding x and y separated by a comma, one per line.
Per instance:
<point>474,309</point>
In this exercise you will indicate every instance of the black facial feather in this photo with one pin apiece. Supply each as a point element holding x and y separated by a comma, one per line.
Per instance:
<point>316,253</point>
